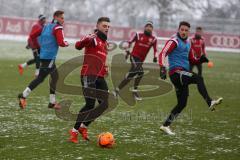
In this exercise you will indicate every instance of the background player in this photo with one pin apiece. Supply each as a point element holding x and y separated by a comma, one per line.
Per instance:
<point>92,74</point>
<point>198,48</point>
<point>179,58</point>
<point>34,45</point>
<point>51,38</point>
<point>143,43</point>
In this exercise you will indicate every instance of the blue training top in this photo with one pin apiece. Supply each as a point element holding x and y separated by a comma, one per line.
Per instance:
<point>48,42</point>
<point>179,57</point>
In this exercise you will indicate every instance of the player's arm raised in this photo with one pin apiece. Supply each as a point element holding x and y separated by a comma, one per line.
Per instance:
<point>132,40</point>
<point>85,42</point>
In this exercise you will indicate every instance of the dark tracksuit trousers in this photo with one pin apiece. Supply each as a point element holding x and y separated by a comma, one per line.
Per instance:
<point>46,67</point>
<point>35,59</point>
<point>199,68</point>
<point>135,70</point>
<point>94,88</point>
<point>181,80</point>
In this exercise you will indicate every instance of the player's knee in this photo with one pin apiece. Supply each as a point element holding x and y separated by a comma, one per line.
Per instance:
<point>130,75</point>
<point>140,73</point>
<point>90,105</point>
<point>40,79</point>
<point>198,77</point>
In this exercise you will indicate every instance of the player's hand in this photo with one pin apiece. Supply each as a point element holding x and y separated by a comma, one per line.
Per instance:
<point>203,59</point>
<point>155,60</point>
<point>127,55</point>
<point>66,43</point>
<point>163,73</point>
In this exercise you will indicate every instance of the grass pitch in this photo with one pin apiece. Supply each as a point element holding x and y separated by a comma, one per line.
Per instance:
<point>36,133</point>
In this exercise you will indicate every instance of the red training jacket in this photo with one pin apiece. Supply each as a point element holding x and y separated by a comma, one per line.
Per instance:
<point>198,46</point>
<point>95,55</point>
<point>33,42</point>
<point>57,32</point>
<point>143,43</point>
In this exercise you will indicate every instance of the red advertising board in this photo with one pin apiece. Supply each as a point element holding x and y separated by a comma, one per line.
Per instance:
<point>21,26</point>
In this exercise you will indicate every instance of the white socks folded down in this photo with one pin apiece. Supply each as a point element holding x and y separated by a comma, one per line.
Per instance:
<point>82,126</point>
<point>23,65</point>
<point>52,98</point>
<point>26,92</point>
<point>75,130</point>
<point>36,72</point>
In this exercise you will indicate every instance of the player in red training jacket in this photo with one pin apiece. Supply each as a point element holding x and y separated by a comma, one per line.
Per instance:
<point>143,43</point>
<point>92,75</point>
<point>34,45</point>
<point>198,48</point>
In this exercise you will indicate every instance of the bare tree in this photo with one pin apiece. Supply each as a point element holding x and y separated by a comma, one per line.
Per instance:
<point>170,10</point>
<point>228,9</point>
<point>127,12</point>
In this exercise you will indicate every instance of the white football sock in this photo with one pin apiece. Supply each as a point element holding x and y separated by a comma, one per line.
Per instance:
<point>52,98</point>
<point>26,92</point>
<point>134,90</point>
<point>74,130</point>
<point>24,65</point>
<point>36,72</point>
<point>83,125</point>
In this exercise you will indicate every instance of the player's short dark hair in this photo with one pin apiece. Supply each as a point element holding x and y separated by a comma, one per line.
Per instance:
<point>58,13</point>
<point>199,28</point>
<point>184,23</point>
<point>103,19</point>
